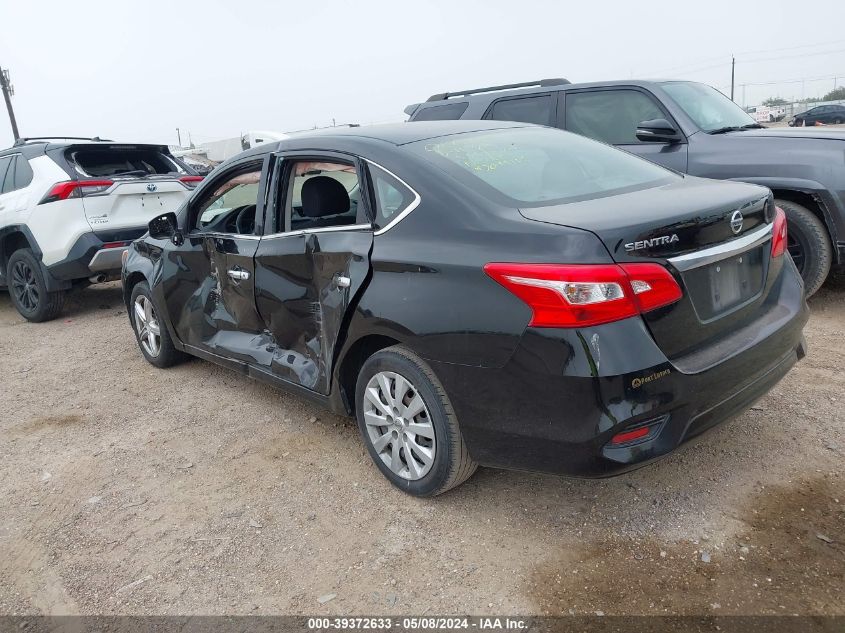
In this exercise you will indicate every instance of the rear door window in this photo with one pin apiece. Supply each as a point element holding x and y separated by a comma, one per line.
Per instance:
<point>450,112</point>
<point>118,161</point>
<point>537,109</point>
<point>322,194</point>
<point>610,116</point>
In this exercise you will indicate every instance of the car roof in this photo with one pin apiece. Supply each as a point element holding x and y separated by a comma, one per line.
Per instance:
<point>405,132</point>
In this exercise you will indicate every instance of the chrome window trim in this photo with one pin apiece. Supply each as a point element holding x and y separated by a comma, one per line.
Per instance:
<point>722,251</point>
<point>224,236</point>
<point>323,229</point>
<point>413,205</point>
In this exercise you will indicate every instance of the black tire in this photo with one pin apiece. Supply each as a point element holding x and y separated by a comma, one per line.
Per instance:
<point>28,290</point>
<point>809,244</point>
<point>167,355</point>
<point>452,464</point>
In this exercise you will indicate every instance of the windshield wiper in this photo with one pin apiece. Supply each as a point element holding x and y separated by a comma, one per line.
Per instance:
<point>735,128</point>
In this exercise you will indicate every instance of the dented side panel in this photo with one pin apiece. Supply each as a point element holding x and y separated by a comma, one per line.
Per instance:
<point>301,302</point>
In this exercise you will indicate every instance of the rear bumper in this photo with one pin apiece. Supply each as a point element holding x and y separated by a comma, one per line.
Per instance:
<point>93,254</point>
<point>563,395</point>
<point>107,260</point>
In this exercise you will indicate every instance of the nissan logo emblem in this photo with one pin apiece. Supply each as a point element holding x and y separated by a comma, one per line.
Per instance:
<point>736,221</point>
<point>151,187</point>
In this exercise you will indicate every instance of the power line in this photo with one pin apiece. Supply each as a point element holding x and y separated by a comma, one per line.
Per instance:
<point>790,48</point>
<point>793,81</point>
<point>695,67</point>
<point>768,59</point>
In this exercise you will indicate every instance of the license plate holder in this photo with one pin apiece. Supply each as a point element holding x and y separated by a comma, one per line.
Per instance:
<point>722,286</point>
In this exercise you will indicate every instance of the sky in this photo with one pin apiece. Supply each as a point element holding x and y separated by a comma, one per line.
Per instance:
<point>136,71</point>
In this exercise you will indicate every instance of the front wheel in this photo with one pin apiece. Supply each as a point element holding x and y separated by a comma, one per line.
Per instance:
<point>408,424</point>
<point>28,289</point>
<point>151,334</point>
<point>808,243</point>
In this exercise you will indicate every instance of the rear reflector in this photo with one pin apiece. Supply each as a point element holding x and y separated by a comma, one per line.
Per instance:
<point>630,436</point>
<point>191,181</point>
<point>778,233</point>
<point>115,244</point>
<point>580,295</point>
<point>75,189</point>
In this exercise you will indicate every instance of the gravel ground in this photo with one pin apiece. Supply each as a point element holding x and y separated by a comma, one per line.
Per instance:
<point>125,489</point>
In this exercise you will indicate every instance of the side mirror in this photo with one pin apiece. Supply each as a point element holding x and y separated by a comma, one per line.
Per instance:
<point>658,131</point>
<point>166,227</point>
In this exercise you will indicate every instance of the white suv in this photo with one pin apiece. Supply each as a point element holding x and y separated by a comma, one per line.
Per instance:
<point>70,207</point>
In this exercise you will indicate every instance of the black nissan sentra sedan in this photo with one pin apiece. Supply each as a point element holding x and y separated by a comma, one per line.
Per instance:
<point>478,293</point>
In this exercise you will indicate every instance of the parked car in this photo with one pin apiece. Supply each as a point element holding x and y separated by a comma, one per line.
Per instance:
<point>70,207</point>
<point>478,293</point>
<point>692,128</point>
<point>767,114</point>
<point>825,114</point>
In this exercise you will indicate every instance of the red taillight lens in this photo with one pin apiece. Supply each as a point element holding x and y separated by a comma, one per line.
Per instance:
<point>191,182</point>
<point>653,286</point>
<point>579,295</point>
<point>778,233</point>
<point>76,189</point>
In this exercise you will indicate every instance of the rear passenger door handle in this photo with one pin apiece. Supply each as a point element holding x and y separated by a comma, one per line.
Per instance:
<point>239,275</point>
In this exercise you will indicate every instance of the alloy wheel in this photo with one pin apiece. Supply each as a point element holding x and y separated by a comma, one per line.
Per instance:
<point>399,425</point>
<point>146,323</point>
<point>25,286</point>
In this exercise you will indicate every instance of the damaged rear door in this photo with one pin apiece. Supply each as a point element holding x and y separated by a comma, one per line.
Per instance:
<point>312,262</point>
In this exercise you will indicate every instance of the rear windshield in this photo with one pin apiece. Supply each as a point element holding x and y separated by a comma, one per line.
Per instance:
<point>121,161</point>
<point>534,166</point>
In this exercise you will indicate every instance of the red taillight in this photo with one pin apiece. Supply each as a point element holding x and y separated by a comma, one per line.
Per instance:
<point>579,295</point>
<point>75,189</point>
<point>630,436</point>
<point>191,181</point>
<point>653,286</point>
<point>778,233</point>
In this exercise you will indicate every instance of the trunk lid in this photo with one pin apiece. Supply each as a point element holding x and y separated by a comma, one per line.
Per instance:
<point>145,182</point>
<point>133,203</point>
<point>714,236</point>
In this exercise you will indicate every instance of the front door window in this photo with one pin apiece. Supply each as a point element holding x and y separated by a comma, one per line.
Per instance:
<point>230,208</point>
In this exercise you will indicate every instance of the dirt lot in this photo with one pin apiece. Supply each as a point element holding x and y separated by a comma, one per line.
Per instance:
<point>127,489</point>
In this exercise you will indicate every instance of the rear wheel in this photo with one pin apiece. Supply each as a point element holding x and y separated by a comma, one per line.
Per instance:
<point>808,244</point>
<point>28,290</point>
<point>151,334</point>
<point>408,424</point>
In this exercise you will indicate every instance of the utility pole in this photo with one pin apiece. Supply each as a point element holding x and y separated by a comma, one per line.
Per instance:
<point>8,91</point>
<point>179,136</point>
<point>733,74</point>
